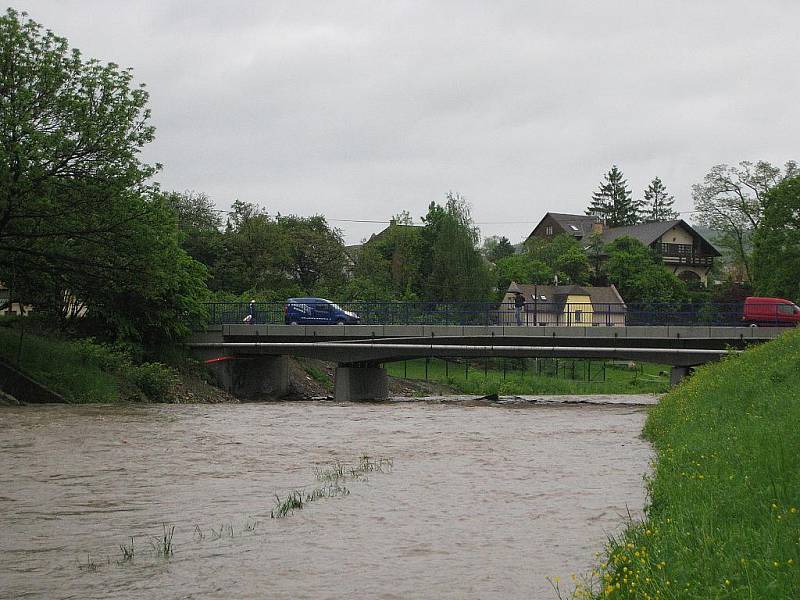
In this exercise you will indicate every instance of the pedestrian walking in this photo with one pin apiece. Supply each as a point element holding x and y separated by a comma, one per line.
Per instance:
<point>519,304</point>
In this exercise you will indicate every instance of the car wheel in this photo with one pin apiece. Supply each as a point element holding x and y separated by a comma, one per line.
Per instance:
<point>293,323</point>
<point>340,321</point>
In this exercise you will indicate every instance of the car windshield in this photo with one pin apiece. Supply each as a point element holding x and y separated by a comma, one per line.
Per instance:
<point>336,307</point>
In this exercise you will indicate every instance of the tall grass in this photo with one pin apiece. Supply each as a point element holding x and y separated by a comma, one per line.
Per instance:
<point>66,367</point>
<point>724,513</point>
<point>162,545</point>
<point>82,370</point>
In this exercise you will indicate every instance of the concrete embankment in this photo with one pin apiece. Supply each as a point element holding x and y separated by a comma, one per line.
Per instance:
<point>22,388</point>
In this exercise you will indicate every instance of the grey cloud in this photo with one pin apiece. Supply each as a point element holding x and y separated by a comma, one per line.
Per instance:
<point>362,109</point>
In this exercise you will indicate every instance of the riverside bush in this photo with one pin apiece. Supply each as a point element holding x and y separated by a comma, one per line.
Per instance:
<point>154,379</point>
<point>724,514</point>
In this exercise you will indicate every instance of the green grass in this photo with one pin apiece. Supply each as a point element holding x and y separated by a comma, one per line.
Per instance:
<point>724,513</point>
<point>644,378</point>
<point>66,367</point>
<point>84,371</point>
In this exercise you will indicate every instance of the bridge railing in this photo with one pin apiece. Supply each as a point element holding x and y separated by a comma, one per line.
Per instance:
<point>531,314</point>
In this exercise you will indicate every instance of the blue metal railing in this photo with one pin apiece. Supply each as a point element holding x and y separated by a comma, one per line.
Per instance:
<point>486,314</point>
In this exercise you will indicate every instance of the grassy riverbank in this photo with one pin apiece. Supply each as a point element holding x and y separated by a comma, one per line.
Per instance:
<point>547,377</point>
<point>724,513</point>
<point>84,371</point>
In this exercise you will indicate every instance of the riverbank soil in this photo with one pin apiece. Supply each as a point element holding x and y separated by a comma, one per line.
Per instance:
<point>724,513</point>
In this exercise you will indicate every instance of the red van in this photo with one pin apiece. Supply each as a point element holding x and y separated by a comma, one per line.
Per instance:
<point>770,311</point>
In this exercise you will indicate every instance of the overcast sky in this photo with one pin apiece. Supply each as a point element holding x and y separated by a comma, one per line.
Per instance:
<point>358,110</point>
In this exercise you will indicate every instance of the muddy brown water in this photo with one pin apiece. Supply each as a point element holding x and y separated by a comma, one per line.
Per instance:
<point>481,502</point>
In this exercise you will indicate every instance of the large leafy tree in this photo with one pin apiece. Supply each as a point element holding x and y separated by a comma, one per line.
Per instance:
<point>563,255</point>
<point>613,202</point>
<point>458,272</point>
<point>392,262</point>
<point>657,205</point>
<point>78,220</point>
<point>277,257</point>
<point>521,268</point>
<point>497,247</point>
<point>314,255</point>
<point>776,258</point>
<point>70,134</point>
<point>199,223</point>
<point>731,200</point>
<point>638,274</point>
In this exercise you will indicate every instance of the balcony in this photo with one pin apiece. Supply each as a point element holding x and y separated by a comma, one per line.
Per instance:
<point>683,254</point>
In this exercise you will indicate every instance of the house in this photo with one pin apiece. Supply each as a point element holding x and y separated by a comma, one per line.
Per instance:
<point>681,247</point>
<point>578,226</point>
<point>11,308</point>
<point>564,305</point>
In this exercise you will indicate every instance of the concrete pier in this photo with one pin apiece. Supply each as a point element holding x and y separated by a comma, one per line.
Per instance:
<point>253,377</point>
<point>353,383</point>
<point>676,374</point>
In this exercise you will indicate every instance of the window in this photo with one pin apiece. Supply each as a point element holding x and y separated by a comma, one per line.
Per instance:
<point>548,230</point>
<point>574,228</point>
<point>578,315</point>
<point>542,297</point>
<point>785,309</point>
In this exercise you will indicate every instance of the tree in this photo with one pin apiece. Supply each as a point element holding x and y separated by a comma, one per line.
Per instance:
<point>776,258</point>
<point>70,136</point>
<point>522,268</point>
<point>457,270</point>
<point>613,202</point>
<point>199,224</point>
<point>595,254</point>
<point>160,295</point>
<point>314,252</point>
<point>78,221</point>
<point>497,247</point>
<point>657,205</point>
<point>563,255</point>
<point>731,200</point>
<point>638,274</point>
<point>253,251</point>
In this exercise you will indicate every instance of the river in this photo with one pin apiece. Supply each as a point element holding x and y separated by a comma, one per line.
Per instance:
<point>475,501</point>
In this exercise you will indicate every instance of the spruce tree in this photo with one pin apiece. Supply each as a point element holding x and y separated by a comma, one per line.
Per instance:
<point>613,202</point>
<point>658,203</point>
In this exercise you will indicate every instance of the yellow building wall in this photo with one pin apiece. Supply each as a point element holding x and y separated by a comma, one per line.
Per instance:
<point>578,311</point>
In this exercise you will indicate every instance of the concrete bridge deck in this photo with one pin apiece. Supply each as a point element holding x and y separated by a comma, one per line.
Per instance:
<point>310,333</point>
<point>361,349</point>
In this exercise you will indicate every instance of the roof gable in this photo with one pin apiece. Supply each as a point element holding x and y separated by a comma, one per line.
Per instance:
<point>575,225</point>
<point>647,233</point>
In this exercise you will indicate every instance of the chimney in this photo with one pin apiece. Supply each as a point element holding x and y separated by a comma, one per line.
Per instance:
<point>597,227</point>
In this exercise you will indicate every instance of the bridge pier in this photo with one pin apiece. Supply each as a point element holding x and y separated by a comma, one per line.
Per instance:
<point>677,374</point>
<point>355,382</point>
<point>253,377</point>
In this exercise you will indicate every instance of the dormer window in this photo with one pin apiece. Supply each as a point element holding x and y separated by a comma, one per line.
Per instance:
<point>548,230</point>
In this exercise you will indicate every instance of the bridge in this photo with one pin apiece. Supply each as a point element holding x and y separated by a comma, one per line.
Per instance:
<point>252,360</point>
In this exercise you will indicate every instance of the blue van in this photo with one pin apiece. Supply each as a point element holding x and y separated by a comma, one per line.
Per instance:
<point>317,311</point>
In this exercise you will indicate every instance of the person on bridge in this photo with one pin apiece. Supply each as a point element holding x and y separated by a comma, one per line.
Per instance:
<point>519,304</point>
<point>250,319</point>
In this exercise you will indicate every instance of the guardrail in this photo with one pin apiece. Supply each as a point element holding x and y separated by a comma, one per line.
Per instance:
<point>532,314</point>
